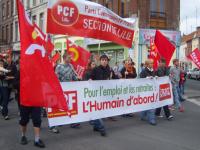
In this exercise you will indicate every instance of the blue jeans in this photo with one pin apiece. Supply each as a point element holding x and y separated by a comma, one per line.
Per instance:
<point>148,115</point>
<point>177,95</point>
<point>98,124</point>
<point>182,88</point>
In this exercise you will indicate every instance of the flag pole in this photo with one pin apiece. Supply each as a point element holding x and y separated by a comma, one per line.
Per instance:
<point>99,47</point>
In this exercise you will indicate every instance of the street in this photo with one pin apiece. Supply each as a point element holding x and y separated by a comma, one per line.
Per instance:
<point>192,91</point>
<point>182,133</point>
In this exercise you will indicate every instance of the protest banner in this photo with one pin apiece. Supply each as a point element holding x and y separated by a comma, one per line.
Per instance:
<point>88,19</point>
<point>89,100</point>
<point>194,56</point>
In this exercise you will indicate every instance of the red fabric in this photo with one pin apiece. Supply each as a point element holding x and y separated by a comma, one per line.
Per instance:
<point>55,58</point>
<point>195,57</point>
<point>164,46</point>
<point>9,51</point>
<point>80,57</point>
<point>153,54</point>
<point>39,86</point>
<point>48,45</point>
<point>83,23</point>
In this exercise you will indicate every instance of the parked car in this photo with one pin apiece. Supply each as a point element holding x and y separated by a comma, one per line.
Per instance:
<point>195,74</point>
<point>189,72</point>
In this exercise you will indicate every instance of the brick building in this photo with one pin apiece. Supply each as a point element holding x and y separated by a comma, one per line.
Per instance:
<point>161,14</point>
<point>6,24</point>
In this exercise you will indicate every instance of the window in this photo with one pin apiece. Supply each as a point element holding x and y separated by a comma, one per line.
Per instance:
<point>34,19</point>
<point>7,33</point>
<point>3,11</point>
<point>34,2</point>
<point>12,8</point>
<point>16,31</point>
<point>11,32</point>
<point>28,4</point>
<point>41,21</point>
<point>8,9</point>
<point>3,30</point>
<point>41,1</point>
<point>157,8</point>
<point>122,9</point>
<point>153,5</point>
<point>162,6</point>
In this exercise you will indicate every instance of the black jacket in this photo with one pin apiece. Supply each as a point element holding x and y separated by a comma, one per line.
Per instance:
<point>162,71</point>
<point>12,67</point>
<point>87,75</point>
<point>147,73</point>
<point>101,73</point>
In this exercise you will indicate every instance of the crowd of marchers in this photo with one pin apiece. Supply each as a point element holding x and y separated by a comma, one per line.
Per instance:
<point>10,83</point>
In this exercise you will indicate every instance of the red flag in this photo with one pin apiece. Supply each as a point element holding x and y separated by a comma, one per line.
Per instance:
<point>39,85</point>
<point>49,46</point>
<point>153,54</point>
<point>195,57</point>
<point>80,57</point>
<point>55,58</point>
<point>46,40</point>
<point>164,46</point>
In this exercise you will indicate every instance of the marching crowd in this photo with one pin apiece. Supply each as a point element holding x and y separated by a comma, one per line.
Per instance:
<point>9,82</point>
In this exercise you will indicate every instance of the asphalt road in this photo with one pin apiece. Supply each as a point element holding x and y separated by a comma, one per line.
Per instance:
<point>193,88</point>
<point>182,133</point>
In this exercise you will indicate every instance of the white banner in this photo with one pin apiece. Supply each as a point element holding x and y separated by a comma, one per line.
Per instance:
<point>89,100</point>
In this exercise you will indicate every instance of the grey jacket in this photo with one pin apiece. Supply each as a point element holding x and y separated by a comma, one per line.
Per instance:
<point>175,75</point>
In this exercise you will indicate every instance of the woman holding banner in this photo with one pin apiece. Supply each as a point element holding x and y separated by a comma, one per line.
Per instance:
<point>128,72</point>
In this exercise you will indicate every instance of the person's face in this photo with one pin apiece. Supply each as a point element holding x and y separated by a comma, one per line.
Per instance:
<point>104,62</point>
<point>67,59</point>
<point>129,61</point>
<point>162,64</point>
<point>150,64</point>
<point>93,65</point>
<point>9,60</point>
<point>1,64</point>
<point>176,63</point>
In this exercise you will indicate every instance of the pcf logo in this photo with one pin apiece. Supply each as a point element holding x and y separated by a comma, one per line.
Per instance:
<point>71,98</point>
<point>65,13</point>
<point>164,92</point>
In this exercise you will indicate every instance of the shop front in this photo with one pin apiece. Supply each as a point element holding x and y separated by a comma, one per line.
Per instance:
<point>116,53</point>
<point>144,43</point>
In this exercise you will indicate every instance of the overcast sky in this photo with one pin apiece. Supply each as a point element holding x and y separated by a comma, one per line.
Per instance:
<point>190,9</point>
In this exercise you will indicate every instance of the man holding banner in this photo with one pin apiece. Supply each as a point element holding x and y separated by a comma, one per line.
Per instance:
<point>101,72</point>
<point>66,73</point>
<point>148,72</point>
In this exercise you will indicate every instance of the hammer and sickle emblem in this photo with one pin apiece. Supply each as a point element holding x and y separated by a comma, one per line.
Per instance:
<point>75,52</point>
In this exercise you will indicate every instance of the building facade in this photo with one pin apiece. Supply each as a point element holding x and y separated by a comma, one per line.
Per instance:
<point>6,24</point>
<point>151,14</point>
<point>189,43</point>
<point>158,14</point>
<point>37,11</point>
